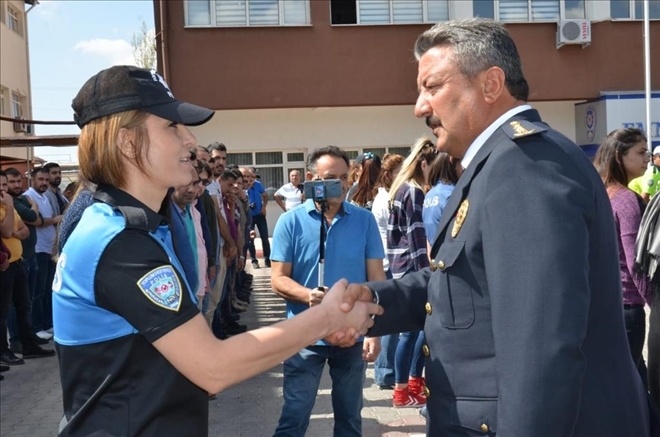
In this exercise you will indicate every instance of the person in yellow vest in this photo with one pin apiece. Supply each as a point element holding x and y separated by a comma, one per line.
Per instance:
<point>14,281</point>
<point>651,180</point>
<point>636,185</point>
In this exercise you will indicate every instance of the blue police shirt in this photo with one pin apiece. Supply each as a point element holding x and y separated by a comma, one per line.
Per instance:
<point>434,203</point>
<point>352,239</point>
<point>254,195</point>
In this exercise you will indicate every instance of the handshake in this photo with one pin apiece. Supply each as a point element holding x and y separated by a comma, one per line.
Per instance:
<point>349,310</point>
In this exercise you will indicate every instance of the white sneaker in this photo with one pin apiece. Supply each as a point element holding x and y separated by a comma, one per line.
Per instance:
<point>50,331</point>
<point>44,335</point>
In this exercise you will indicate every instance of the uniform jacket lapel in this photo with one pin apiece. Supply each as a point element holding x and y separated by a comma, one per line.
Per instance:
<point>463,185</point>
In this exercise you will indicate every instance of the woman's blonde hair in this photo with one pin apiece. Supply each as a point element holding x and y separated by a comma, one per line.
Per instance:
<point>100,158</point>
<point>411,169</point>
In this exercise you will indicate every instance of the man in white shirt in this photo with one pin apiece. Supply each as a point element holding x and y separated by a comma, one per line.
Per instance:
<point>42,312</point>
<point>290,195</point>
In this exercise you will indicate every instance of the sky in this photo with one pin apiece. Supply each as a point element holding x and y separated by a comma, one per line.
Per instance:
<point>70,41</point>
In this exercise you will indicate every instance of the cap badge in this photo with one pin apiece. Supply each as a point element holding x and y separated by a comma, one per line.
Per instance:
<point>460,218</point>
<point>158,78</point>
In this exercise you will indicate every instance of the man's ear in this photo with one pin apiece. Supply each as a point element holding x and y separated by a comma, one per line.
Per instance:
<point>493,84</point>
<point>125,142</point>
<point>309,176</point>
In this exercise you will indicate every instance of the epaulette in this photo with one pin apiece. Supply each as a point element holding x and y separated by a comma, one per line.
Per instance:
<point>135,218</point>
<point>522,128</point>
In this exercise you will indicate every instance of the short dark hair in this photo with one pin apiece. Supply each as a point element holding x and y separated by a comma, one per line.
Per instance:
<point>2,173</point>
<point>50,165</point>
<point>11,171</point>
<point>37,170</point>
<point>216,146</point>
<point>322,151</point>
<point>227,174</point>
<point>236,172</point>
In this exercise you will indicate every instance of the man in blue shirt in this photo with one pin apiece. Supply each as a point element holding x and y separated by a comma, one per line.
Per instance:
<point>353,250</point>
<point>258,199</point>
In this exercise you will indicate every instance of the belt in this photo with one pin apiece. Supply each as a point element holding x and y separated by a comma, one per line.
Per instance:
<point>629,306</point>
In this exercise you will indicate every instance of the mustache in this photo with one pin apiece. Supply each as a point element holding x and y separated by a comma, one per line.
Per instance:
<point>433,122</point>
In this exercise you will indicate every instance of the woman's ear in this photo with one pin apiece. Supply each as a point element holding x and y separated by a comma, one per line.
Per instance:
<point>125,142</point>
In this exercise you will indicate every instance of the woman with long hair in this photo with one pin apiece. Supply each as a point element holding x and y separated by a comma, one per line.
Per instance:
<point>391,164</point>
<point>406,251</point>
<point>125,315</point>
<point>367,178</point>
<point>622,156</point>
<point>442,177</point>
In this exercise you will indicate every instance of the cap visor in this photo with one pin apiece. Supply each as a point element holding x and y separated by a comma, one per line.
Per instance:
<point>181,112</point>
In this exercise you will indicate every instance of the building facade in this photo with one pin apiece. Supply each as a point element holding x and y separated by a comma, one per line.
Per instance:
<point>15,95</point>
<point>287,76</point>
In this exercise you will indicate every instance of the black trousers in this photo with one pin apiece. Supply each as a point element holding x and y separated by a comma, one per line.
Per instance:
<point>262,226</point>
<point>15,289</point>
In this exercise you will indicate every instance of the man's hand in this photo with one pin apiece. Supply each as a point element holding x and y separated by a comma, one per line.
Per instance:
<point>230,251</point>
<point>57,219</point>
<point>371,349</point>
<point>212,273</point>
<point>347,325</point>
<point>263,210</point>
<point>316,296</point>
<point>253,234</point>
<point>354,293</point>
<point>5,265</point>
<point>240,264</point>
<point>6,199</point>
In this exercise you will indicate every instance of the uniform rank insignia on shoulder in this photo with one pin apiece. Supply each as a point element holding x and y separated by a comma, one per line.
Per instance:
<point>521,128</point>
<point>162,287</point>
<point>460,218</point>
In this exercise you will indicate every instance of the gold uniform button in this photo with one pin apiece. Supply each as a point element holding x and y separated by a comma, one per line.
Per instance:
<point>426,351</point>
<point>428,309</point>
<point>484,427</point>
<point>433,266</point>
<point>441,265</point>
<point>427,392</point>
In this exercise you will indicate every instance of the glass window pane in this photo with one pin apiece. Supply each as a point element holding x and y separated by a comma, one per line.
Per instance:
<point>264,12</point>
<point>513,10</point>
<point>295,157</point>
<point>374,11</point>
<point>574,9</point>
<point>545,10</point>
<point>230,13</point>
<point>483,9</point>
<point>239,158</point>
<point>380,151</point>
<point>654,9</point>
<point>272,178</point>
<point>267,158</point>
<point>403,151</point>
<point>620,8</point>
<point>295,11</point>
<point>352,154</point>
<point>438,10</point>
<point>407,11</point>
<point>199,12</point>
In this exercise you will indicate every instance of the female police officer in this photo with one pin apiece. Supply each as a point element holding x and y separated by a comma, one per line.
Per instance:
<point>136,357</point>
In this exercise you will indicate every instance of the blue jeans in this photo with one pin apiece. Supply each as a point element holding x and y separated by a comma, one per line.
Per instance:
<point>635,320</point>
<point>384,365</point>
<point>408,360</point>
<point>302,375</point>
<point>31,266</point>
<point>42,304</point>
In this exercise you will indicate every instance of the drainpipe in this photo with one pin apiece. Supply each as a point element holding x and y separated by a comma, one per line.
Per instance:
<point>163,45</point>
<point>30,154</point>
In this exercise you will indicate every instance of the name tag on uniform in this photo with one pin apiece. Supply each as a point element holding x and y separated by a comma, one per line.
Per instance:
<point>162,287</point>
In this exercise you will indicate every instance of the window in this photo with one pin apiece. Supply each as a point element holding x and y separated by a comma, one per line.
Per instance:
<point>238,13</point>
<point>2,101</point>
<point>523,11</point>
<point>272,167</point>
<point>634,9</point>
<point>13,22</point>
<point>16,106</point>
<point>388,11</point>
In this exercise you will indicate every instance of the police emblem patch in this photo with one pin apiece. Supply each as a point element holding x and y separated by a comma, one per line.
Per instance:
<point>162,287</point>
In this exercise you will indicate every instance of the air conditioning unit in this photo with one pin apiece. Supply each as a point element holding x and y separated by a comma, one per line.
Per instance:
<point>29,129</point>
<point>573,32</point>
<point>19,127</point>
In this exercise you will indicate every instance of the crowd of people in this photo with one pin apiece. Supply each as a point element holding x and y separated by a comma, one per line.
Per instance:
<point>495,276</point>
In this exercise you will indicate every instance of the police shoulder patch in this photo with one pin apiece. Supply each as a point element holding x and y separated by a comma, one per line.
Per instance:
<point>162,287</point>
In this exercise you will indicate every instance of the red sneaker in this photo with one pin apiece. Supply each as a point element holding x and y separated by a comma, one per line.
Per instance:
<point>416,385</point>
<point>404,399</point>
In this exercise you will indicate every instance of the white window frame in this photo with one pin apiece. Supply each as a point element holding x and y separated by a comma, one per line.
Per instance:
<point>425,15</point>
<point>16,103</point>
<point>562,13</point>
<point>213,21</point>
<point>631,17</point>
<point>286,165</point>
<point>14,20</point>
<point>2,101</point>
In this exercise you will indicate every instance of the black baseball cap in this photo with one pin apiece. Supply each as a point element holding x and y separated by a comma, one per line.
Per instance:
<point>125,88</point>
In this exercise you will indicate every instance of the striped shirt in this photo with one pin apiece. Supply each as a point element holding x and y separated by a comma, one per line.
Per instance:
<point>406,237</point>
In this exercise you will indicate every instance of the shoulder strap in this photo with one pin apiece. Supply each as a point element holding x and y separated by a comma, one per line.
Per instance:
<point>136,218</point>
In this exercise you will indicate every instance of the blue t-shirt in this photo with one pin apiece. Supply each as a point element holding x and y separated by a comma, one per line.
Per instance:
<point>434,203</point>
<point>254,196</point>
<point>351,240</point>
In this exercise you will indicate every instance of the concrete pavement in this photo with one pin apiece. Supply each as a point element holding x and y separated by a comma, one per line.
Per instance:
<point>31,399</point>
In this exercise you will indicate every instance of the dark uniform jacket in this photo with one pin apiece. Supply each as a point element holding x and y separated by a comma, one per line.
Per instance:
<point>522,304</point>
